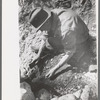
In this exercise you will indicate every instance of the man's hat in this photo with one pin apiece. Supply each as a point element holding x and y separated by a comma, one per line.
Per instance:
<point>39,16</point>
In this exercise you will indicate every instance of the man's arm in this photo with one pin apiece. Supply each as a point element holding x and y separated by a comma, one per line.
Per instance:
<point>64,59</point>
<point>42,45</point>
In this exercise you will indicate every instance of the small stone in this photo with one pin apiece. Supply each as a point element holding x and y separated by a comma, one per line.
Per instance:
<point>78,87</point>
<point>76,77</point>
<point>51,60</point>
<point>78,93</point>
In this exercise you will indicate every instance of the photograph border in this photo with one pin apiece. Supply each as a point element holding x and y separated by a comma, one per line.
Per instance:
<point>6,89</point>
<point>98,49</point>
<point>1,49</point>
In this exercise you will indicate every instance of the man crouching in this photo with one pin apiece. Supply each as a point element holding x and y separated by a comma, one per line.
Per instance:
<point>63,30</point>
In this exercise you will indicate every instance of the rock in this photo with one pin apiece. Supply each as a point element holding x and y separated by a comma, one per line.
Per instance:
<point>23,73</point>
<point>92,76</point>
<point>93,68</point>
<point>85,93</point>
<point>26,93</point>
<point>77,93</point>
<point>67,97</point>
<point>54,99</point>
<point>43,94</point>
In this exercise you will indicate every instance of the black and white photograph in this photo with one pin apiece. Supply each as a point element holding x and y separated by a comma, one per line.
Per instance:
<point>58,49</point>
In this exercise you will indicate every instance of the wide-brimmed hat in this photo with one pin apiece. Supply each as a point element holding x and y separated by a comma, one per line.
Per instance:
<point>39,16</point>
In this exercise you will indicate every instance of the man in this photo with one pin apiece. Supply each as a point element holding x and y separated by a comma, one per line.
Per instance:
<point>64,31</point>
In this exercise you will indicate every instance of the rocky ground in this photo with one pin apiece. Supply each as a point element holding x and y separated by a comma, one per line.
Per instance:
<point>72,84</point>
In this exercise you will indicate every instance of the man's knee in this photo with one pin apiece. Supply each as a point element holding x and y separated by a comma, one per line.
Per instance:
<point>55,43</point>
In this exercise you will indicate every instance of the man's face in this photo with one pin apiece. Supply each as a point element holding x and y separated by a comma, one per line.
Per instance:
<point>46,26</point>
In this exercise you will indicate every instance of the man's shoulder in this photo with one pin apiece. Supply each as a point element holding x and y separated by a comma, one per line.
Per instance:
<point>67,12</point>
<point>56,11</point>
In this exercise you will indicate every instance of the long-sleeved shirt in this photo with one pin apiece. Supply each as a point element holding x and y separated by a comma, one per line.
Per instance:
<point>69,27</point>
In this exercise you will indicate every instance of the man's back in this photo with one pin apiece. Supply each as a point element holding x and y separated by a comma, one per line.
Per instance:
<point>70,27</point>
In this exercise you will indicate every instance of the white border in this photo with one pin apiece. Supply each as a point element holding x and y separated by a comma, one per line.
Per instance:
<point>10,50</point>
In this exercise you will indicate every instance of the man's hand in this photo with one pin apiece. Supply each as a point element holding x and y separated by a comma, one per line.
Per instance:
<point>34,62</point>
<point>23,73</point>
<point>63,60</point>
<point>36,58</point>
<point>50,73</point>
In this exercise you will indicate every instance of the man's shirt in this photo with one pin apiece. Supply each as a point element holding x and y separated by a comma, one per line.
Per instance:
<point>69,27</point>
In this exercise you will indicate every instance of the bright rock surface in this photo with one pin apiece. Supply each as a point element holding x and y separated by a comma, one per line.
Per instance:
<point>78,93</point>
<point>85,93</point>
<point>67,97</point>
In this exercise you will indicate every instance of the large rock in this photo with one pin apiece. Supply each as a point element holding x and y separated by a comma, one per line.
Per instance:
<point>93,68</point>
<point>26,93</point>
<point>54,99</point>
<point>92,76</point>
<point>85,93</point>
<point>67,97</point>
